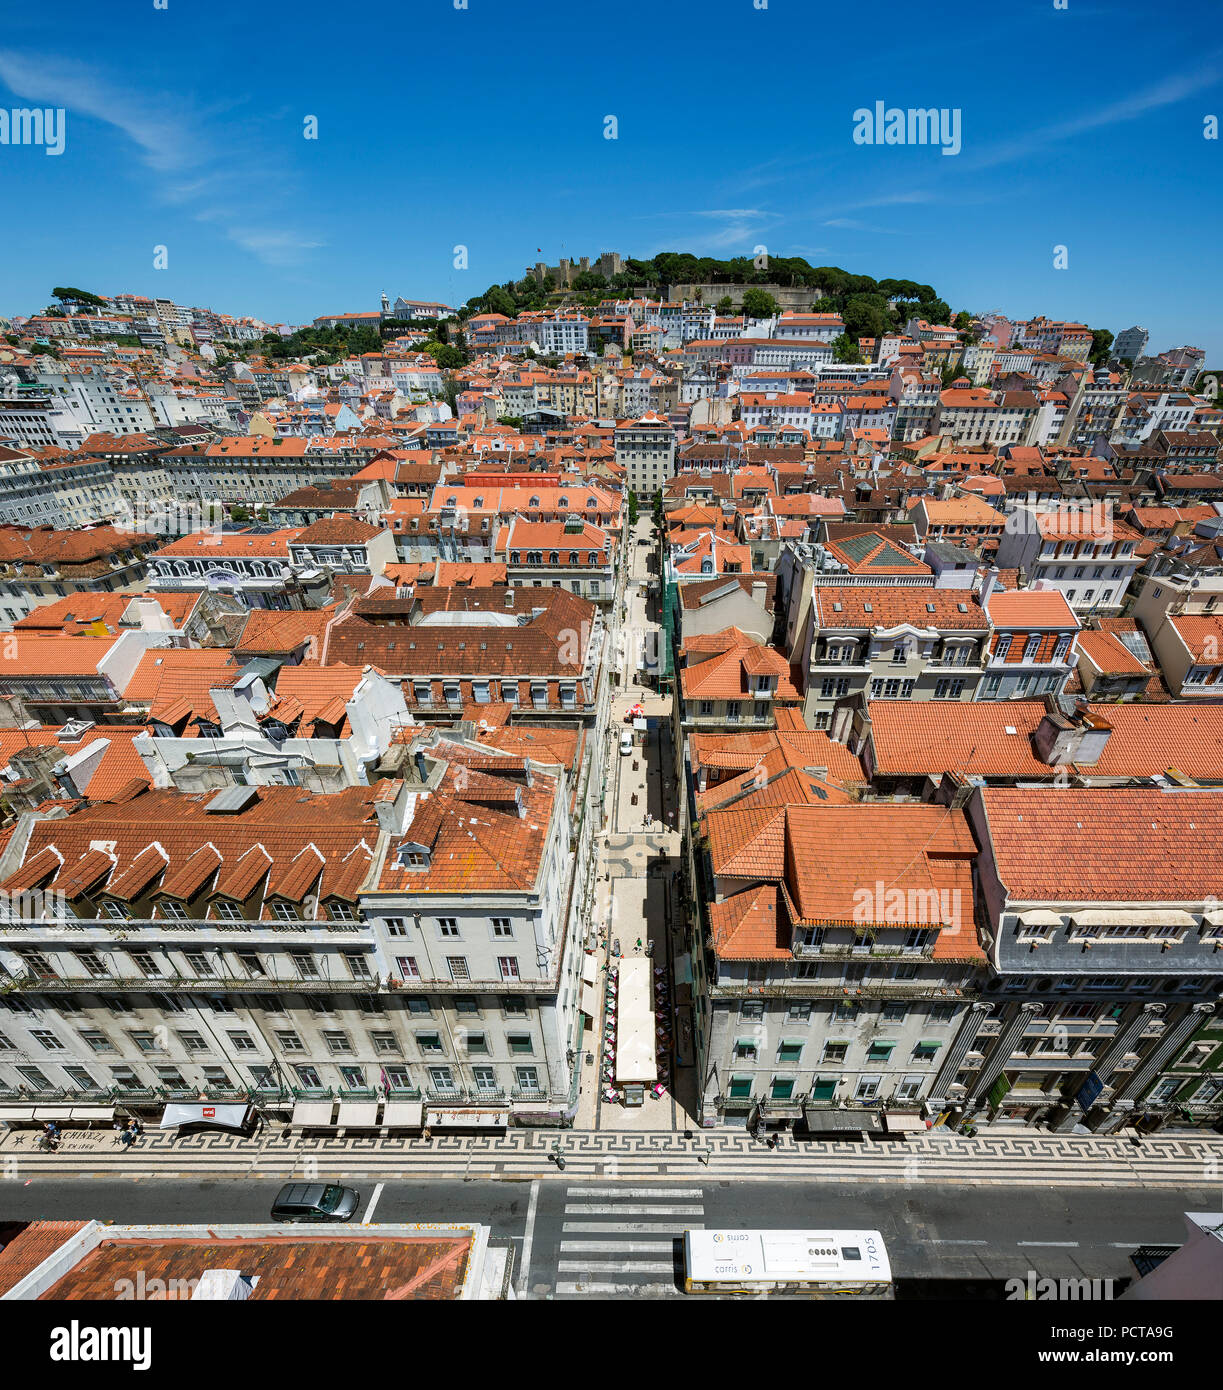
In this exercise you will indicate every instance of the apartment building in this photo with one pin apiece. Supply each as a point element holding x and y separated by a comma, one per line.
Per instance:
<point>570,555</point>
<point>834,959</point>
<point>889,643</point>
<point>1083,551</point>
<point>254,566</point>
<point>966,520</point>
<point>645,450</point>
<point>343,545</point>
<point>1032,649</point>
<point>40,565</point>
<point>342,979</point>
<point>1098,913</point>
<point>727,679</point>
<point>324,728</point>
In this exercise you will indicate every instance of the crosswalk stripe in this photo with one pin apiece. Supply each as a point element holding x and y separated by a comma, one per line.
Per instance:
<point>673,1192</point>
<point>637,1228</point>
<point>617,1247</point>
<point>632,1290</point>
<point>623,1209</point>
<point>615,1266</point>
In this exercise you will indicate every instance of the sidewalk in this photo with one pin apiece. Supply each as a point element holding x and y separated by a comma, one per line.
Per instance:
<point>1029,1158</point>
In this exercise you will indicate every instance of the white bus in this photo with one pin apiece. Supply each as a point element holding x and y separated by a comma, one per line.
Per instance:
<point>819,1264</point>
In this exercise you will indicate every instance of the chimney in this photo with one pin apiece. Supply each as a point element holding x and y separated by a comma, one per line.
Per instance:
<point>224,1286</point>
<point>989,582</point>
<point>422,770</point>
<point>760,592</point>
<point>1076,738</point>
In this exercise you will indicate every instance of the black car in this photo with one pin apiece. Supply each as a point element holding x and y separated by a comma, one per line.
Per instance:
<point>315,1201</point>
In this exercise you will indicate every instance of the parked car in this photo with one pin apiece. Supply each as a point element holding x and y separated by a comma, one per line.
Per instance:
<point>626,743</point>
<point>315,1201</point>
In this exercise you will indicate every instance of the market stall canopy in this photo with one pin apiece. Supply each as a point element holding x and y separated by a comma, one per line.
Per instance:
<point>590,970</point>
<point>590,1001</point>
<point>635,1046</point>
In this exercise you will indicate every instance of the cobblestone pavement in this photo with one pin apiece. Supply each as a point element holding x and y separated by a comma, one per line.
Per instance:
<point>1011,1158</point>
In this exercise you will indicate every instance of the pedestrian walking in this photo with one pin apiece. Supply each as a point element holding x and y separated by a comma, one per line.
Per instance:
<point>127,1138</point>
<point>426,1134</point>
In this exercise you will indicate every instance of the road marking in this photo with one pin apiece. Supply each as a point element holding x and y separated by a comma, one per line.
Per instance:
<point>528,1239</point>
<point>959,1242</point>
<point>635,1228</point>
<point>373,1202</point>
<point>1055,1244</point>
<point>596,1209</point>
<point>619,1247</point>
<point>615,1266</point>
<point>635,1192</point>
<point>630,1290</point>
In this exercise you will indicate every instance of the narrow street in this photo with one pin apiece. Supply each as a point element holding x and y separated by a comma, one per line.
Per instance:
<point>638,854</point>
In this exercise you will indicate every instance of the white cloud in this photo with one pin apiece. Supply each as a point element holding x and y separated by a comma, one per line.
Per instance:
<point>199,172</point>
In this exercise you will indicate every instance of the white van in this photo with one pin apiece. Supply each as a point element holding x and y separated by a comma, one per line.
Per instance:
<point>626,742</point>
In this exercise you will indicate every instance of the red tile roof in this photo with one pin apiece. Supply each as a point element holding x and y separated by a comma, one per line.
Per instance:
<point>1108,845</point>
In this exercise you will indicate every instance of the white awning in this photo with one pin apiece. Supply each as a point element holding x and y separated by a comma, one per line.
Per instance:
<point>403,1114</point>
<point>1146,917</point>
<point>590,1002</point>
<point>58,1113</point>
<point>467,1119</point>
<point>358,1114</point>
<point>635,1058</point>
<point>899,1124</point>
<point>312,1114</point>
<point>93,1112</point>
<point>14,1113</point>
<point>590,969</point>
<point>206,1113</point>
<point>1214,918</point>
<point>1039,917</point>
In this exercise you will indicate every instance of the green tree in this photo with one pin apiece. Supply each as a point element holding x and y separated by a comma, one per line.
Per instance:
<point>866,315</point>
<point>844,349</point>
<point>962,321</point>
<point>67,295</point>
<point>1101,345</point>
<point>239,514</point>
<point>759,304</point>
<point>725,305</point>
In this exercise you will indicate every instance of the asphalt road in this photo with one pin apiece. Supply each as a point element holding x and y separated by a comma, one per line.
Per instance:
<point>600,1239</point>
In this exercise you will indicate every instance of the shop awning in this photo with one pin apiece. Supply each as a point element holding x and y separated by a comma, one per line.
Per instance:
<point>16,1113</point>
<point>312,1114</point>
<point>590,970</point>
<point>206,1113</point>
<point>93,1112</point>
<point>590,1001</point>
<point>358,1114</point>
<point>467,1119</point>
<point>842,1121</point>
<point>61,1114</point>
<point>403,1114</point>
<point>899,1123</point>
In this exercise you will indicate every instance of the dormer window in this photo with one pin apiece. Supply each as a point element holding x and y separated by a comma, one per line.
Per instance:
<point>172,910</point>
<point>413,857</point>
<point>284,911</point>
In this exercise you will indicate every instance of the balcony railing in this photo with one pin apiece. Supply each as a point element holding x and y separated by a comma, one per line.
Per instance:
<point>528,1093</point>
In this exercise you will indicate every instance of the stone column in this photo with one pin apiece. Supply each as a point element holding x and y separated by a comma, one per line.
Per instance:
<point>1165,1047</point>
<point>1104,1068</point>
<point>1000,1054</point>
<point>961,1046</point>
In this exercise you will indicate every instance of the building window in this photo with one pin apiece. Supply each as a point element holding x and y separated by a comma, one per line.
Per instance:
<point>520,1043</point>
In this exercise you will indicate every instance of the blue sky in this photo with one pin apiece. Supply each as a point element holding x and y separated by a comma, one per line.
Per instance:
<point>484,127</point>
